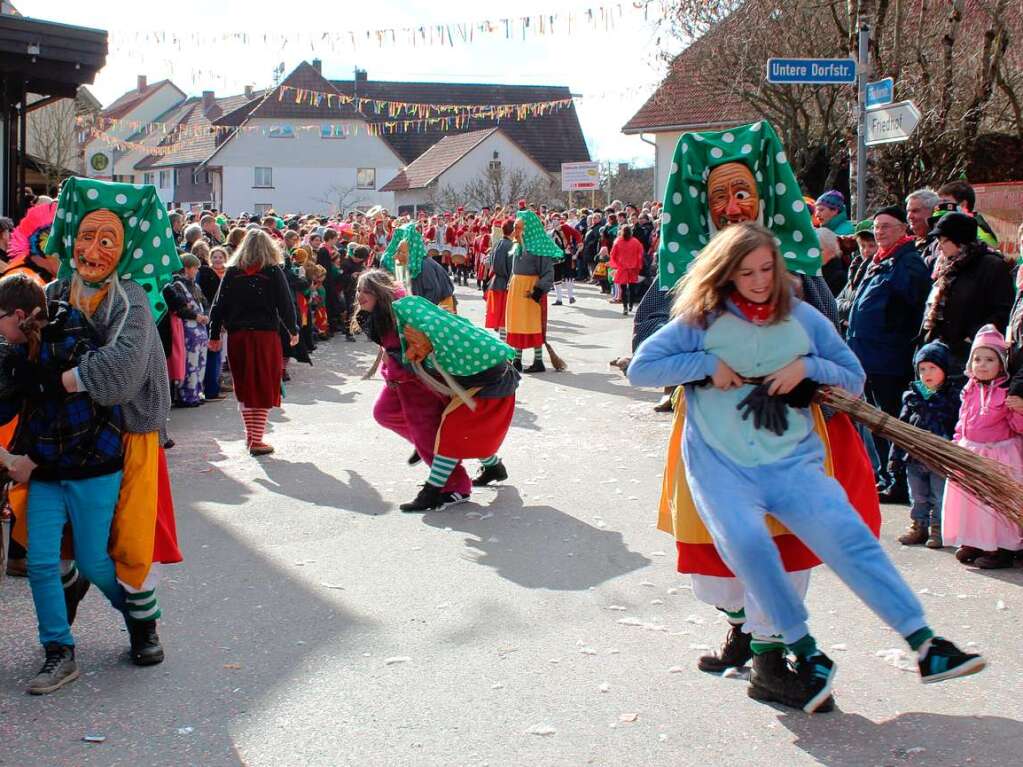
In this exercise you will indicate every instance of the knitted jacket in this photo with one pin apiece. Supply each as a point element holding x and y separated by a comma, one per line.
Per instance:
<point>131,371</point>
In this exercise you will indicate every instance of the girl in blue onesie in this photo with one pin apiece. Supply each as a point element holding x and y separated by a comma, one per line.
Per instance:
<point>750,355</point>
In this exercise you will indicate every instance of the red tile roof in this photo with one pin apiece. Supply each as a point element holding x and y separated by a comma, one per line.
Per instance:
<point>128,101</point>
<point>437,159</point>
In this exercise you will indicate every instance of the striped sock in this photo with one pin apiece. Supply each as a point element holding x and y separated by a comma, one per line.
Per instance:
<point>143,605</point>
<point>518,354</point>
<point>538,355</point>
<point>67,580</point>
<point>502,333</point>
<point>491,461</point>
<point>255,424</point>
<point>761,645</point>
<point>736,618</point>
<point>440,470</point>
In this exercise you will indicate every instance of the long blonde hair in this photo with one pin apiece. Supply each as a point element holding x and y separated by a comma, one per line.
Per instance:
<point>703,291</point>
<point>257,251</point>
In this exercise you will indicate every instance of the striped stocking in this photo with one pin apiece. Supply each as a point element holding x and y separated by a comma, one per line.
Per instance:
<point>255,424</point>
<point>440,470</point>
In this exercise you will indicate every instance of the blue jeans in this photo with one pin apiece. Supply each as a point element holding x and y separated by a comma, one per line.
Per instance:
<point>88,504</point>
<point>211,381</point>
<point>926,489</point>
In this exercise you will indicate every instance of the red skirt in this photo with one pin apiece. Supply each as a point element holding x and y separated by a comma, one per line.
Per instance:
<point>257,365</point>
<point>465,433</point>
<point>165,541</point>
<point>497,300</point>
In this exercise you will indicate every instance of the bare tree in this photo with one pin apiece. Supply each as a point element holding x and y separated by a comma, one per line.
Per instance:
<point>494,186</point>
<point>342,198</point>
<point>52,140</point>
<point>953,58</point>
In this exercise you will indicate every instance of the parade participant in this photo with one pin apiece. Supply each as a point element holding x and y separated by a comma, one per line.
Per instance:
<point>406,405</point>
<point>751,449</point>
<point>569,240</point>
<point>76,455</point>
<point>989,427</point>
<point>470,368</point>
<point>421,276</point>
<point>499,263</point>
<point>533,259</point>
<point>116,253</point>
<point>481,245</point>
<point>714,186</point>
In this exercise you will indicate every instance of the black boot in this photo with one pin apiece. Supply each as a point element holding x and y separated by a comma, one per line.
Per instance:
<point>488,474</point>
<point>735,653</point>
<point>517,364</point>
<point>774,681</point>
<point>430,498</point>
<point>995,560</point>
<point>414,458</point>
<point>73,596</point>
<point>146,649</point>
<point>536,367</point>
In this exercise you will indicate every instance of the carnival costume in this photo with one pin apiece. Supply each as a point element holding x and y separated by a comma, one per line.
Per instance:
<point>532,277</point>
<point>420,275</point>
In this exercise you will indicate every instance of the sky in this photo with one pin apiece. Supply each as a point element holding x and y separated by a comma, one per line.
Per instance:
<point>611,72</point>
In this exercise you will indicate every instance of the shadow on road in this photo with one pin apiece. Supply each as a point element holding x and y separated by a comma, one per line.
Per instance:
<point>925,740</point>
<point>544,548</point>
<point>304,481</point>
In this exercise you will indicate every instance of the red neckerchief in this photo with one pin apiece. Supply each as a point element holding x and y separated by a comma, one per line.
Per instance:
<point>883,253</point>
<point>251,270</point>
<point>758,314</point>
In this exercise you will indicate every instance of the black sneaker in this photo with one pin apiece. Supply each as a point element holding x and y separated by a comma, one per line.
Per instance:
<point>735,653</point>
<point>488,474</point>
<point>58,669</point>
<point>146,649</point>
<point>453,498</point>
<point>943,660</point>
<point>73,596</point>
<point>430,498</point>
<point>414,458</point>
<point>517,364</point>
<point>773,680</point>
<point>815,675</point>
<point>536,367</point>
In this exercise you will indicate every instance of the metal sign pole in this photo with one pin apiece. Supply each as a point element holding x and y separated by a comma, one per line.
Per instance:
<point>862,75</point>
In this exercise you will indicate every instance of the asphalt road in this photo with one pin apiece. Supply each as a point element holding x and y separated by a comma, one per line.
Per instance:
<point>542,624</point>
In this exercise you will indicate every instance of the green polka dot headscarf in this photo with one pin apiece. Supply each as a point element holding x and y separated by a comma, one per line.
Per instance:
<point>150,257</point>
<point>536,239</point>
<point>416,250</point>
<point>459,347</point>
<point>685,222</point>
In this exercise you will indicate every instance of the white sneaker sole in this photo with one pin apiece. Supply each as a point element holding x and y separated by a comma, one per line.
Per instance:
<point>973,666</point>
<point>818,700</point>
<point>53,688</point>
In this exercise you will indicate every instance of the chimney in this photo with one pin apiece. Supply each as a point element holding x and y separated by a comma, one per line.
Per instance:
<point>360,75</point>
<point>141,83</point>
<point>318,65</point>
<point>209,105</point>
<point>248,91</point>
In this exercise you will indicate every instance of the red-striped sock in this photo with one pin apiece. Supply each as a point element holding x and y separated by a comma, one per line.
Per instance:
<point>255,424</point>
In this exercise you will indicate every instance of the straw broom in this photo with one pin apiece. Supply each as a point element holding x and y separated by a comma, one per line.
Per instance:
<point>988,481</point>
<point>556,361</point>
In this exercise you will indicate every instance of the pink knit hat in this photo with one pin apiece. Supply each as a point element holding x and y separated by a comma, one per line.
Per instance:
<point>991,338</point>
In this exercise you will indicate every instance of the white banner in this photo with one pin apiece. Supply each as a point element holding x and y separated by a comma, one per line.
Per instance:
<point>576,176</point>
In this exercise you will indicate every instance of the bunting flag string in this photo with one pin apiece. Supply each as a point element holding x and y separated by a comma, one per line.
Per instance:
<point>598,18</point>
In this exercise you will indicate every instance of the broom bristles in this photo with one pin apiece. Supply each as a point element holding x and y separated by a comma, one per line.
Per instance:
<point>558,363</point>
<point>988,481</point>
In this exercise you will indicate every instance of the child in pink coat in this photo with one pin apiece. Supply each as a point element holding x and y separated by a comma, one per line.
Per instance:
<point>989,428</point>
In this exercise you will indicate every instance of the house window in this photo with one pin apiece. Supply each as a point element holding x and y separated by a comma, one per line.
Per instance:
<point>281,131</point>
<point>147,178</point>
<point>174,177</point>
<point>333,131</point>
<point>262,208</point>
<point>165,176</point>
<point>200,176</point>
<point>124,179</point>
<point>366,178</point>
<point>263,177</point>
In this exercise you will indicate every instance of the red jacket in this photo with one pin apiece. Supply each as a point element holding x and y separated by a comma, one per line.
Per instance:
<point>627,260</point>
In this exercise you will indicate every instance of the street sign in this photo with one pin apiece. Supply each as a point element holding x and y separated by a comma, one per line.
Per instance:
<point>811,71</point>
<point>892,123</point>
<point>880,93</point>
<point>576,176</point>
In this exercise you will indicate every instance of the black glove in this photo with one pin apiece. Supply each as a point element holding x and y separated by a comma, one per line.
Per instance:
<point>32,379</point>
<point>802,394</point>
<point>537,293</point>
<point>768,411</point>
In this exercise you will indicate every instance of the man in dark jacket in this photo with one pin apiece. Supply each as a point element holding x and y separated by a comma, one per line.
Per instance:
<point>591,242</point>
<point>884,323</point>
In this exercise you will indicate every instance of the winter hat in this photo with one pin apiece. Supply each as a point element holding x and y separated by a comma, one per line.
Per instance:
<point>150,257</point>
<point>866,226</point>
<point>935,352</point>
<point>832,199</point>
<point>894,211</point>
<point>416,250</point>
<point>686,225</point>
<point>957,227</point>
<point>535,238</point>
<point>990,337</point>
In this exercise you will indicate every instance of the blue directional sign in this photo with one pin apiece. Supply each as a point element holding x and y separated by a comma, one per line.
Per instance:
<point>880,93</point>
<point>811,71</point>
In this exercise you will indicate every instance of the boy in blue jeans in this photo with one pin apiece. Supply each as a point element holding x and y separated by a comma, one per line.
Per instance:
<point>931,403</point>
<point>73,451</point>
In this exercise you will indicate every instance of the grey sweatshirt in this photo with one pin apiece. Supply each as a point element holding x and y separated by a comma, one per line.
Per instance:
<point>529,263</point>
<point>500,260</point>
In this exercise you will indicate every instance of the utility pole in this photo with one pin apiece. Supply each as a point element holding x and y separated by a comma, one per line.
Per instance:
<point>859,173</point>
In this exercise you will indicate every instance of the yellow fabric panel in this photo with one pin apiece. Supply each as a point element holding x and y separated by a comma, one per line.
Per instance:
<point>448,304</point>
<point>134,527</point>
<point>523,314</point>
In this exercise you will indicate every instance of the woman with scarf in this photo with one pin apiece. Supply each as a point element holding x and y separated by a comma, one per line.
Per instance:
<point>830,210</point>
<point>972,288</point>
